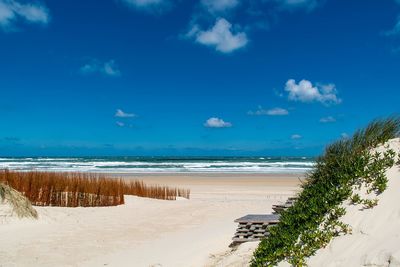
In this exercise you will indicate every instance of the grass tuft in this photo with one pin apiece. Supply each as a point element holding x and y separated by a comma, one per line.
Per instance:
<point>20,204</point>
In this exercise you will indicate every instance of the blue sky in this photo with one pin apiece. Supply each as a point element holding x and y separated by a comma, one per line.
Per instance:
<point>174,77</point>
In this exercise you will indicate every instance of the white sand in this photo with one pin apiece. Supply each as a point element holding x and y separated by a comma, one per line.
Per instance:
<point>147,232</point>
<point>7,215</point>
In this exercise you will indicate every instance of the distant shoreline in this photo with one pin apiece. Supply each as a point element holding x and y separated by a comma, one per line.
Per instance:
<point>216,179</point>
<point>206,174</point>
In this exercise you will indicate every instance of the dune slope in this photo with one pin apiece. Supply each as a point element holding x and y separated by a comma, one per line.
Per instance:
<point>375,234</point>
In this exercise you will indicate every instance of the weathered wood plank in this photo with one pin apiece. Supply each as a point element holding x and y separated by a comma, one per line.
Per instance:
<point>259,218</point>
<point>238,240</point>
<point>254,227</point>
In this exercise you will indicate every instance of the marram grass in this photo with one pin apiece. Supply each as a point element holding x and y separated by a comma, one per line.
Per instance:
<point>20,205</point>
<point>314,219</point>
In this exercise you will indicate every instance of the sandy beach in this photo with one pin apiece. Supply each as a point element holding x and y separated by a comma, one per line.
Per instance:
<point>148,232</point>
<point>208,133</point>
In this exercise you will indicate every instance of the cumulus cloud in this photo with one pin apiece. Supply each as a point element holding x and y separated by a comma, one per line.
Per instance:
<point>120,124</point>
<point>217,123</point>
<point>395,30</point>
<point>148,5</point>
<point>107,68</point>
<point>296,136</point>
<point>270,112</point>
<point>254,15</point>
<point>344,135</point>
<point>121,114</point>
<point>327,119</point>
<point>111,69</point>
<point>306,92</point>
<point>297,4</point>
<point>12,11</point>
<point>221,36</point>
<point>218,6</point>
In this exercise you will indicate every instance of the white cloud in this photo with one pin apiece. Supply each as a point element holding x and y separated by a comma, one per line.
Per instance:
<point>217,123</point>
<point>344,135</point>
<point>306,92</point>
<point>270,112</point>
<point>218,6</point>
<point>327,119</point>
<point>148,5</point>
<point>107,68</point>
<point>296,136</point>
<point>12,11</point>
<point>396,28</point>
<point>111,69</point>
<point>277,112</point>
<point>297,4</point>
<point>143,3</point>
<point>121,114</point>
<point>120,124</point>
<point>220,36</point>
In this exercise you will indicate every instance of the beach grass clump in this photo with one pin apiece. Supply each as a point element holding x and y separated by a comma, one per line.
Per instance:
<point>20,205</point>
<point>346,166</point>
<point>82,189</point>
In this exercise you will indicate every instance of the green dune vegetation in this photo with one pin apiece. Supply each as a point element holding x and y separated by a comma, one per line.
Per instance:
<point>21,206</point>
<point>82,189</point>
<point>346,167</point>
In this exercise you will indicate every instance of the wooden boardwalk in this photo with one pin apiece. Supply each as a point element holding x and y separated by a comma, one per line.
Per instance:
<point>258,218</point>
<point>254,227</point>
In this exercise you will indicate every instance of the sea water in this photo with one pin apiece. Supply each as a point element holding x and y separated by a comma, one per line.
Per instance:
<point>161,164</point>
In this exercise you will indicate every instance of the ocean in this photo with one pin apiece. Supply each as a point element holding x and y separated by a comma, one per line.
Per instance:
<point>161,164</point>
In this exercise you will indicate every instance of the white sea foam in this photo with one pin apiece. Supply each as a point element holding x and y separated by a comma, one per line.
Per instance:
<point>159,165</point>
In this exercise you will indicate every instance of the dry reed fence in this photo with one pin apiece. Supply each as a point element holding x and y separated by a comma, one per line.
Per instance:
<point>139,188</point>
<point>82,189</point>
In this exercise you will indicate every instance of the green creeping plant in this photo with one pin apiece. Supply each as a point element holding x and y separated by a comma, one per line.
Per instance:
<point>314,220</point>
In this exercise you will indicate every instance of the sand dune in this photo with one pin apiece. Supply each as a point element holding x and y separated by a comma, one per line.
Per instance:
<point>375,238</point>
<point>375,234</point>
